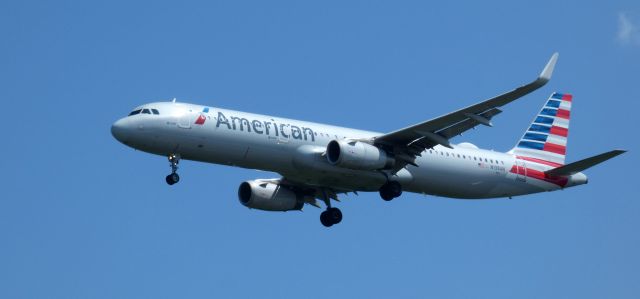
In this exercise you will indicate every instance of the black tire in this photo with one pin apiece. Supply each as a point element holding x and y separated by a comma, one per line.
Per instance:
<point>172,178</point>
<point>385,193</point>
<point>395,188</point>
<point>335,215</point>
<point>169,180</point>
<point>325,219</point>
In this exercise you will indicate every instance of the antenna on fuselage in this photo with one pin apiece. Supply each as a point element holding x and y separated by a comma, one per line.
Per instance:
<point>173,101</point>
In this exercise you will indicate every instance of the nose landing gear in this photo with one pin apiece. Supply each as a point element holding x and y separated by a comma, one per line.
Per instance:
<point>173,178</point>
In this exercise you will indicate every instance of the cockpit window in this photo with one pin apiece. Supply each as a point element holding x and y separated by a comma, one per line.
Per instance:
<point>145,111</point>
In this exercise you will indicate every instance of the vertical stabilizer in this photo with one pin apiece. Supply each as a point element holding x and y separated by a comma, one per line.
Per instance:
<point>545,141</point>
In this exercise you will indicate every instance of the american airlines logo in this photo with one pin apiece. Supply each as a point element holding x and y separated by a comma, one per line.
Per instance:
<point>271,127</point>
<point>200,120</point>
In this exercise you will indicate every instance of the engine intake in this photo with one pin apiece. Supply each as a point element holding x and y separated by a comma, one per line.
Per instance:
<point>268,196</point>
<point>357,155</point>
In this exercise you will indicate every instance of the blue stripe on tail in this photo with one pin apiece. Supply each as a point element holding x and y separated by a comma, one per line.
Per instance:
<point>544,120</point>
<point>531,145</point>
<point>535,137</point>
<point>540,128</point>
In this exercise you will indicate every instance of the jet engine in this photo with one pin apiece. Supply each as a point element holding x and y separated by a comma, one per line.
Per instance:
<point>268,196</point>
<point>357,155</point>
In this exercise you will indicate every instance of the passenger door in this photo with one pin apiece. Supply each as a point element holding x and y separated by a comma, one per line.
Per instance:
<point>184,121</point>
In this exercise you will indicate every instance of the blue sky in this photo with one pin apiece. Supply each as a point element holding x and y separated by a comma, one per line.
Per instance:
<point>82,216</point>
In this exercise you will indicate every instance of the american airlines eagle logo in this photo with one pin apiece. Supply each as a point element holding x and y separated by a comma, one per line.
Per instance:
<point>200,120</point>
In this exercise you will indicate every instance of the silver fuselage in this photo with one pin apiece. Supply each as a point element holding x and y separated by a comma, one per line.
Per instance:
<point>295,149</point>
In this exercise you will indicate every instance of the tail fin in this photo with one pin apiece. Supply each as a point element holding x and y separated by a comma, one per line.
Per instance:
<point>545,141</point>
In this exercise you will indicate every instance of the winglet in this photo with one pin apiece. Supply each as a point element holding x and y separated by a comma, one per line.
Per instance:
<point>545,76</point>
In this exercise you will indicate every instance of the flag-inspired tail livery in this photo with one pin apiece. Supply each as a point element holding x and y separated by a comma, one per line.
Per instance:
<point>318,161</point>
<point>546,139</point>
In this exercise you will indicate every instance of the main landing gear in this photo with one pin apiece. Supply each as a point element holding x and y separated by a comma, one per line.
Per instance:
<point>173,178</point>
<point>331,215</point>
<point>390,190</point>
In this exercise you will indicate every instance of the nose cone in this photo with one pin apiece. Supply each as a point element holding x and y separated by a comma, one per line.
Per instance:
<point>120,130</point>
<point>578,179</point>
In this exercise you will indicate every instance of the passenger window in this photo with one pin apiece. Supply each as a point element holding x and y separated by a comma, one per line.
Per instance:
<point>145,111</point>
<point>458,155</point>
<point>475,159</point>
<point>134,112</point>
<point>485,159</point>
<point>155,111</point>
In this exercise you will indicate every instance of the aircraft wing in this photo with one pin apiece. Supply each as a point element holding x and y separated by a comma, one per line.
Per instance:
<point>311,192</point>
<point>409,142</point>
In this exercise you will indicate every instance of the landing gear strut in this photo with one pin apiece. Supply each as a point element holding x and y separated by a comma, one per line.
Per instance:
<point>331,215</point>
<point>390,190</point>
<point>173,178</point>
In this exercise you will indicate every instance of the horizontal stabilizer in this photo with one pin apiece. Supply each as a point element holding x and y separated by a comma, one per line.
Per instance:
<point>581,165</point>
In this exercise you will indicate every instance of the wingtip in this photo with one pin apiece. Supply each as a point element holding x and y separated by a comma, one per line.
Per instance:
<point>548,69</point>
<point>619,151</point>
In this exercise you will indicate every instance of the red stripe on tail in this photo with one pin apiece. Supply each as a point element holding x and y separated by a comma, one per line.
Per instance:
<point>560,131</point>
<point>563,113</point>
<point>554,148</point>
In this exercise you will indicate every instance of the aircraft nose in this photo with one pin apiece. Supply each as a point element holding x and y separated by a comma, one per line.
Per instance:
<point>119,130</point>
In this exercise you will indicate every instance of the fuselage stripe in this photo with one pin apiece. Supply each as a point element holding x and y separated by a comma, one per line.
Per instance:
<point>539,175</point>
<point>540,161</point>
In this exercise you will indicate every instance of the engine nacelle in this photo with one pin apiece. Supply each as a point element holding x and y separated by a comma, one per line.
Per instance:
<point>357,155</point>
<point>268,196</point>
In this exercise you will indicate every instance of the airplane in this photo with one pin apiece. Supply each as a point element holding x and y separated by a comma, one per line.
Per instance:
<point>319,161</point>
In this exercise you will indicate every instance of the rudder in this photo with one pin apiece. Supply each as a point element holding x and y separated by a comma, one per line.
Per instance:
<point>545,141</point>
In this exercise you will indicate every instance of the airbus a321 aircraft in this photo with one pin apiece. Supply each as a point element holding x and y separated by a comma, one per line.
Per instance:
<point>318,161</point>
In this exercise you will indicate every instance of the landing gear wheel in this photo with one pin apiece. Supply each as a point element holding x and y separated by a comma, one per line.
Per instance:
<point>325,219</point>
<point>335,215</point>
<point>330,217</point>
<point>390,190</point>
<point>385,194</point>
<point>172,178</point>
<point>396,189</point>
